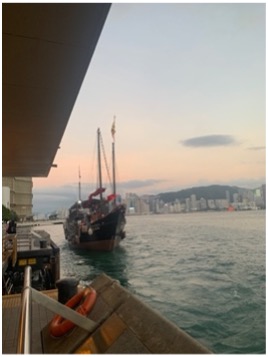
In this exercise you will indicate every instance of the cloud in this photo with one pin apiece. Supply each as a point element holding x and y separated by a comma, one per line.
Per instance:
<point>136,184</point>
<point>256,148</point>
<point>209,140</point>
<point>249,183</point>
<point>49,199</point>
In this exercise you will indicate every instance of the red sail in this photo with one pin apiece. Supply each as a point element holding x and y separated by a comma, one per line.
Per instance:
<point>111,197</point>
<point>96,193</point>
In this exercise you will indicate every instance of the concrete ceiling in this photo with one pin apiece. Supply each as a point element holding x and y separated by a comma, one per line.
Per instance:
<point>46,50</point>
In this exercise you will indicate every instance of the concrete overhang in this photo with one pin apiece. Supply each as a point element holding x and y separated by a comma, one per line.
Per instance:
<point>46,51</point>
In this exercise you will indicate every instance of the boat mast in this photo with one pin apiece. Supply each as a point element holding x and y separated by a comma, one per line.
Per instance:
<point>79,184</point>
<point>99,163</point>
<point>113,160</point>
<point>114,185</point>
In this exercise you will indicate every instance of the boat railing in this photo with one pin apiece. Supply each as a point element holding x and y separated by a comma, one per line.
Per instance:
<point>24,337</point>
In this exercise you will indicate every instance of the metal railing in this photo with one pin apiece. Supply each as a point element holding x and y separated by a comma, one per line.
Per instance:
<point>24,338</point>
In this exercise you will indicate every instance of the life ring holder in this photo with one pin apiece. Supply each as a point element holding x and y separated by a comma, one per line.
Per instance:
<point>60,326</point>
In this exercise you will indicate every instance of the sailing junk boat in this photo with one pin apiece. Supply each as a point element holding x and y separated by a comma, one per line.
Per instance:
<point>96,224</point>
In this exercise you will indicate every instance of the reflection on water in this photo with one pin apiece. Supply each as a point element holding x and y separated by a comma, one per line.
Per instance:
<point>112,263</point>
<point>85,265</point>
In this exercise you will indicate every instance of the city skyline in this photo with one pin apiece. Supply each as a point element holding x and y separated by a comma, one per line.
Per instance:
<point>186,83</point>
<point>50,201</point>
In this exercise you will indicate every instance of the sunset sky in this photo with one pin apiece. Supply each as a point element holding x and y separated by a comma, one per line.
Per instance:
<point>186,83</point>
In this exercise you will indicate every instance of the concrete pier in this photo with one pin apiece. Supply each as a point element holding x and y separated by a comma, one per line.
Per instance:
<point>125,325</point>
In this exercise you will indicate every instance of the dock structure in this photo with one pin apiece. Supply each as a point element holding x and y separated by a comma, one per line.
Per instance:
<point>124,325</point>
<point>28,247</point>
<point>18,244</point>
<point>11,306</point>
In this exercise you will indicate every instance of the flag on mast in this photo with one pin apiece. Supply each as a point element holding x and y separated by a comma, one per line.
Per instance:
<point>113,128</point>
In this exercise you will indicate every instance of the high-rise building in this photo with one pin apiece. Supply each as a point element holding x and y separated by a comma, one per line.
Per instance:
<point>21,196</point>
<point>193,203</point>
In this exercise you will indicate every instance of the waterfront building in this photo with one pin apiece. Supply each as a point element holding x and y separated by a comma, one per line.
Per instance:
<point>193,203</point>
<point>228,196</point>
<point>136,204</point>
<point>188,204</point>
<point>211,204</point>
<point>235,198</point>
<point>260,196</point>
<point>21,196</point>
<point>263,195</point>
<point>203,204</point>
<point>177,206</point>
<point>6,196</point>
<point>221,204</point>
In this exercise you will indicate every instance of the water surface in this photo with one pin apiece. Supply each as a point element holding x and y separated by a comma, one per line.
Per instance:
<point>203,271</point>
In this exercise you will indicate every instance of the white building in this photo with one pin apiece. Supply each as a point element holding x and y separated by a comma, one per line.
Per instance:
<point>21,195</point>
<point>6,196</point>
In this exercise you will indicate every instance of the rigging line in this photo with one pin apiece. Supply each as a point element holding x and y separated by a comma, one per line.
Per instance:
<point>105,160</point>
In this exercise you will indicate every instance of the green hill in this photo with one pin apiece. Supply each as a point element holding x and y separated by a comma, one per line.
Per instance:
<point>206,192</point>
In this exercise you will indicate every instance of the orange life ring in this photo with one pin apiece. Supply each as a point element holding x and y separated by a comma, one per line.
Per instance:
<point>60,326</point>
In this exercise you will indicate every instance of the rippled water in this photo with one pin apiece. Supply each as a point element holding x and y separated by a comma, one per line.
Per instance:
<point>203,271</point>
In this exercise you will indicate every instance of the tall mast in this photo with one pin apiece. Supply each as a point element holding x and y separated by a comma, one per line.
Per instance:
<point>113,159</point>
<point>99,164</point>
<point>79,184</point>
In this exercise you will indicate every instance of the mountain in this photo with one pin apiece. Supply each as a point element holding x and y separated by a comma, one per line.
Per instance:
<point>206,192</point>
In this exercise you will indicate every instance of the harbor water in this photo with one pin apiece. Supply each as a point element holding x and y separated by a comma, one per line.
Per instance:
<point>206,272</point>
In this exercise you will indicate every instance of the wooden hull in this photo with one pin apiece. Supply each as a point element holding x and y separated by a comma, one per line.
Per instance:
<point>104,234</point>
<point>97,245</point>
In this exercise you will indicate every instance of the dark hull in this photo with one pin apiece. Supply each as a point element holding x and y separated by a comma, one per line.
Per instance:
<point>104,234</point>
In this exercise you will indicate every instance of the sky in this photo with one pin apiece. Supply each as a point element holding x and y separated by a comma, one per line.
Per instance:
<point>186,83</point>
